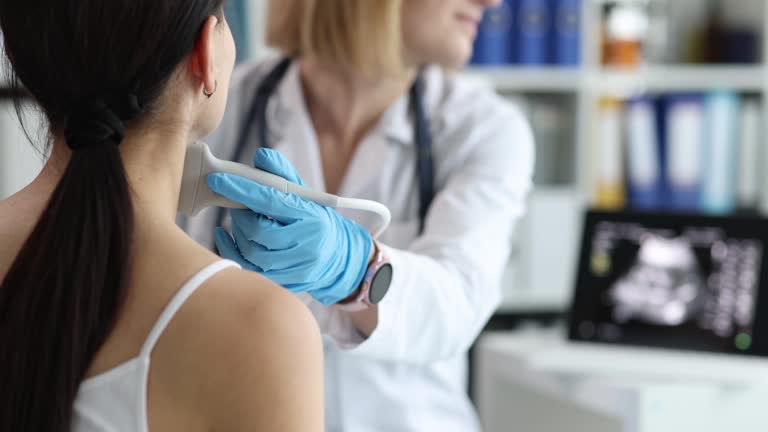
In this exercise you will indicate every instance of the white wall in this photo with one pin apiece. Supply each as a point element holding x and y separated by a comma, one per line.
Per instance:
<point>257,17</point>
<point>743,12</point>
<point>19,162</point>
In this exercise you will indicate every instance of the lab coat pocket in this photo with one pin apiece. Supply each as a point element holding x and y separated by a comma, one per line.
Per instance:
<point>401,234</point>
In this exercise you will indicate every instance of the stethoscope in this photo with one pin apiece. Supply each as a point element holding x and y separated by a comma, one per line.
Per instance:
<point>422,133</point>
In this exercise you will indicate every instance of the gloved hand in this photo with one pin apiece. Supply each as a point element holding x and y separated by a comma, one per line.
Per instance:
<point>296,243</point>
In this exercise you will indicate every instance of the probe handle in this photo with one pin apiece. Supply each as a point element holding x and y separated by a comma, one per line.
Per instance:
<point>274,181</point>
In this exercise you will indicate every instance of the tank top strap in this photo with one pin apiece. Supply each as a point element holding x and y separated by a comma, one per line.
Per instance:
<point>179,299</point>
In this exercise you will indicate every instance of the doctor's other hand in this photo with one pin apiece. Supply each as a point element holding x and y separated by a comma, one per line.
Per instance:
<point>296,243</point>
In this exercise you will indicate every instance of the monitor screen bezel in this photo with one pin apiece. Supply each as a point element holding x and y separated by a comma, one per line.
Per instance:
<point>748,226</point>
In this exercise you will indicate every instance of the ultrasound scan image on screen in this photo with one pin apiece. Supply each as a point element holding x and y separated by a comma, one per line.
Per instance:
<point>690,287</point>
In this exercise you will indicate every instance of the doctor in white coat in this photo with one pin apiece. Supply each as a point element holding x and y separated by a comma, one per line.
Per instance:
<point>363,105</point>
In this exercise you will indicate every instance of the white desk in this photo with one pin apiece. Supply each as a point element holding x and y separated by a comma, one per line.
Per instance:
<point>515,395</point>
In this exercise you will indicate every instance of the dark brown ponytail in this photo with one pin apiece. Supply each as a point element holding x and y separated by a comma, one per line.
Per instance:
<point>92,66</point>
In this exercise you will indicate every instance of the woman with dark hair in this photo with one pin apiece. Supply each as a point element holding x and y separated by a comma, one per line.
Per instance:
<point>98,283</point>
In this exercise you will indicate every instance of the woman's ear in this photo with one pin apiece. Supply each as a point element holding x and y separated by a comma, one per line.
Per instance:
<point>203,55</point>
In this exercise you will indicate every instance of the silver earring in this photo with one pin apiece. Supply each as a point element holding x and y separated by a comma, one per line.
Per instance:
<point>215,87</point>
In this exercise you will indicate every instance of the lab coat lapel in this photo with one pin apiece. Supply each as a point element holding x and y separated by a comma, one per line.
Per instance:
<point>294,136</point>
<point>368,162</point>
<point>377,151</point>
<point>366,176</point>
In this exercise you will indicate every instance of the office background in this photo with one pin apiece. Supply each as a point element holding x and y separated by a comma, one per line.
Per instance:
<point>603,95</point>
<point>635,104</point>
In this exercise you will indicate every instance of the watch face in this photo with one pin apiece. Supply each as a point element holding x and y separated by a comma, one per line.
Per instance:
<point>380,283</point>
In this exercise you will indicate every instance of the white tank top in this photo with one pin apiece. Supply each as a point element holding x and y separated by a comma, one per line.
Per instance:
<point>116,400</point>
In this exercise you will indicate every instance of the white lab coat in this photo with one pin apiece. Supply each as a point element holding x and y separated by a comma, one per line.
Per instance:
<point>410,374</point>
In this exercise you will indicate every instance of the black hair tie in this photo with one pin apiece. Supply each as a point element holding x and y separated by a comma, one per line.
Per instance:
<point>127,107</point>
<point>100,122</point>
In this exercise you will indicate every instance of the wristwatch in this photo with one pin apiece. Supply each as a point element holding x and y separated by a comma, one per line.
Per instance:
<point>375,283</point>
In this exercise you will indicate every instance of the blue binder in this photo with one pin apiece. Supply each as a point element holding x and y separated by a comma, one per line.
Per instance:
<point>721,153</point>
<point>566,32</point>
<point>644,160</point>
<point>684,118</point>
<point>661,125</point>
<point>533,31</point>
<point>236,12</point>
<point>495,36</point>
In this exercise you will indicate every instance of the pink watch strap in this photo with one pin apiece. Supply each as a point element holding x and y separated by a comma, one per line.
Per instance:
<point>363,299</point>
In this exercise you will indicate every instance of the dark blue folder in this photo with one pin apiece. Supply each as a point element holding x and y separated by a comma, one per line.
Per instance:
<point>534,22</point>
<point>566,32</point>
<point>683,191</point>
<point>495,36</point>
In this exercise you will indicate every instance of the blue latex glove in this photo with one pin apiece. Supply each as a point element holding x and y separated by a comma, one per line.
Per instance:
<point>296,243</point>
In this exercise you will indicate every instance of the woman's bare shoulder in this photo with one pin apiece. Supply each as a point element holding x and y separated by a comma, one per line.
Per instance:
<point>253,351</point>
<point>240,295</point>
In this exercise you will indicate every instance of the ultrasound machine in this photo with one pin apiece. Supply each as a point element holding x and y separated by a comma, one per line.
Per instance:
<point>671,296</point>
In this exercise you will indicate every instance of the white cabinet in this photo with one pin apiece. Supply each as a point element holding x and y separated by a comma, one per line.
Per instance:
<point>514,393</point>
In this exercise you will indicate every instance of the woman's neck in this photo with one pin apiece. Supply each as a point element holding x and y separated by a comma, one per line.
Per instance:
<point>153,161</point>
<point>344,103</point>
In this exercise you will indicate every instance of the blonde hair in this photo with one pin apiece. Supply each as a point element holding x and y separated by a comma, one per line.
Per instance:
<point>362,34</point>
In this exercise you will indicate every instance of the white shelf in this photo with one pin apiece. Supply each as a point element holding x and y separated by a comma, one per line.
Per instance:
<point>620,81</point>
<point>526,301</point>
<point>528,79</point>
<point>679,78</point>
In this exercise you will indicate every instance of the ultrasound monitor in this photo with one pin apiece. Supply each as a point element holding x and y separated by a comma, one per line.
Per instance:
<point>673,281</point>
